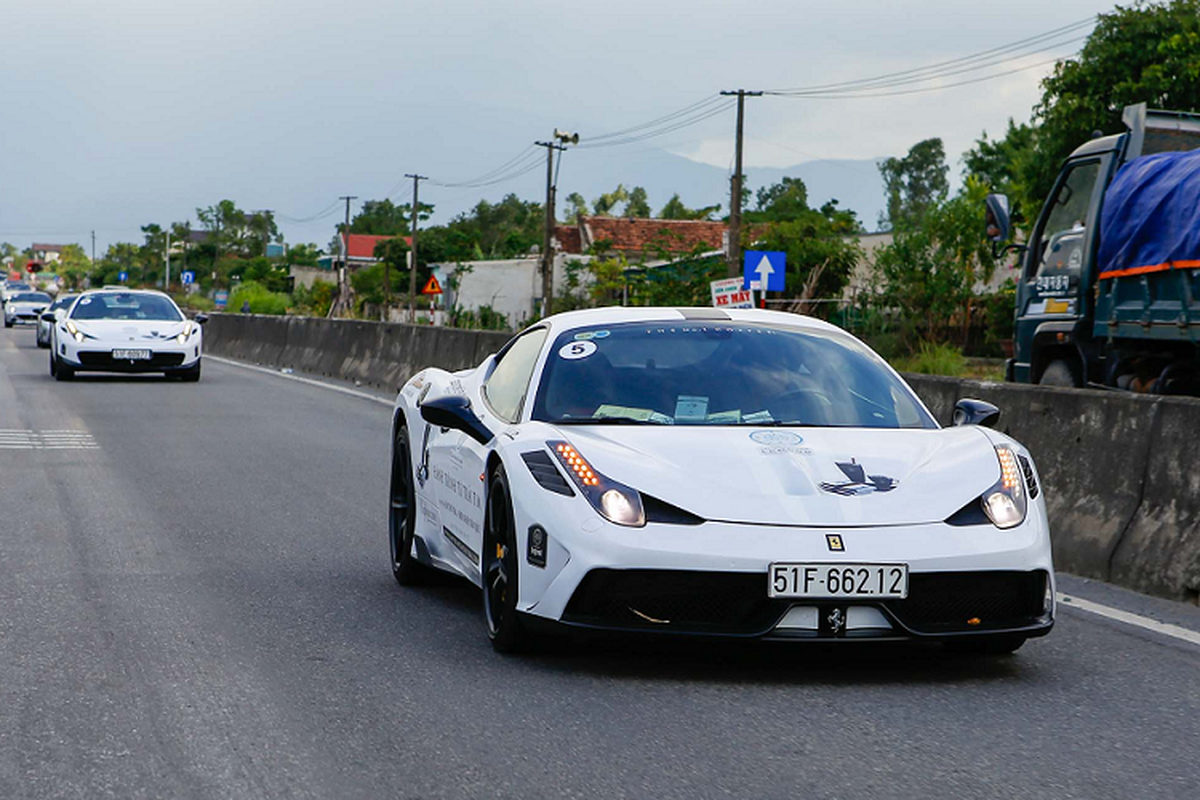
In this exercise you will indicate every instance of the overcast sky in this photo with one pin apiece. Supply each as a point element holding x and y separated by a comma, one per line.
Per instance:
<point>120,113</point>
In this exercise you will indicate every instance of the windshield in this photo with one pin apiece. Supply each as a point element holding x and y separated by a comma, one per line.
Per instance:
<point>17,287</point>
<point>63,301</point>
<point>720,374</point>
<point>31,297</point>
<point>126,306</point>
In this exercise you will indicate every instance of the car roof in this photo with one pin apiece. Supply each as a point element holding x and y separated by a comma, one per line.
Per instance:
<point>616,314</point>
<point>124,291</point>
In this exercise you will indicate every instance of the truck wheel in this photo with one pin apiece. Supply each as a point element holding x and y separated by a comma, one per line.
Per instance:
<point>1058,373</point>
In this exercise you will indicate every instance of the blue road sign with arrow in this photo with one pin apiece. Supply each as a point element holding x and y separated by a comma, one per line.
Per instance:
<point>188,277</point>
<point>765,266</point>
<point>122,276</point>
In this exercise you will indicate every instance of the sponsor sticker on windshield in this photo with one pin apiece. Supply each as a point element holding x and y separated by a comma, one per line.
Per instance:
<point>576,350</point>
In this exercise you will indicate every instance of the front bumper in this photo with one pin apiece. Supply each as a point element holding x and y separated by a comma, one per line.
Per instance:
<point>711,580</point>
<point>92,356</point>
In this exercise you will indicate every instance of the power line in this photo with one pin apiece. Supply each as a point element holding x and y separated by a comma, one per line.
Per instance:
<point>935,76</point>
<point>1041,38</point>
<point>685,122</point>
<point>927,88</point>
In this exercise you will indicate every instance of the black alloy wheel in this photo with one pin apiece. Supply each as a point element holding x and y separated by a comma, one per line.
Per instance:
<point>402,514</point>
<point>499,566</point>
<point>53,363</point>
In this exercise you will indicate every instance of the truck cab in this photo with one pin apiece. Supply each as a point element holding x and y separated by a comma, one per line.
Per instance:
<point>1059,338</point>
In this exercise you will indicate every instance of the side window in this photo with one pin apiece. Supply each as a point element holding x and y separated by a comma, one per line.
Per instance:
<point>505,388</point>
<point>1063,236</point>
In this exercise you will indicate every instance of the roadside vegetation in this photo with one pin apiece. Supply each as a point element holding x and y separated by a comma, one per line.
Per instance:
<point>933,299</point>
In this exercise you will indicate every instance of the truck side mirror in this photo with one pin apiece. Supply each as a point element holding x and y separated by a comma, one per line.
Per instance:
<point>975,412</point>
<point>999,218</point>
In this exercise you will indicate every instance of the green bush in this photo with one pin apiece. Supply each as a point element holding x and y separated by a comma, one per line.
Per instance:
<point>197,302</point>
<point>934,359</point>
<point>262,300</point>
<point>315,301</point>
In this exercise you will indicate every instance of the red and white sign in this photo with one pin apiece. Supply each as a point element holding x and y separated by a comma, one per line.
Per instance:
<point>728,293</point>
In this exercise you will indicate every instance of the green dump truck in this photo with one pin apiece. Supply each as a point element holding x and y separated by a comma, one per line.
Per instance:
<point>1109,290</point>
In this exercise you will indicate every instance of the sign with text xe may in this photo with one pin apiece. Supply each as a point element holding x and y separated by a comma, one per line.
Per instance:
<point>728,293</point>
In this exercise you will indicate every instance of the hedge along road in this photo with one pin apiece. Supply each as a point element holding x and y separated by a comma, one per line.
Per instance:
<point>197,603</point>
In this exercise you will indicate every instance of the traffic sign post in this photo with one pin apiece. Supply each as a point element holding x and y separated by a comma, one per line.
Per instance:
<point>432,286</point>
<point>766,268</point>
<point>188,277</point>
<point>122,276</point>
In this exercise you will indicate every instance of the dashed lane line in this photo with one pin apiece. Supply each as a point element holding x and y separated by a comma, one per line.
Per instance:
<point>1129,618</point>
<point>17,439</point>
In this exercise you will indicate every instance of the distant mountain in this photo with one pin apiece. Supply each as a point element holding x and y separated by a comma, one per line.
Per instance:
<point>855,183</point>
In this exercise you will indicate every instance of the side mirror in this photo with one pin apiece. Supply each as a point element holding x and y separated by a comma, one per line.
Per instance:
<point>48,318</point>
<point>999,218</point>
<point>201,318</point>
<point>454,411</point>
<point>975,412</point>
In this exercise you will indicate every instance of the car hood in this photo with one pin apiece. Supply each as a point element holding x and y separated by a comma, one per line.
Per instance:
<point>797,476</point>
<point>27,306</point>
<point>127,330</point>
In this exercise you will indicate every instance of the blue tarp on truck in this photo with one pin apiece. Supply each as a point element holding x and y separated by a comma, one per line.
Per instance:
<point>1151,216</point>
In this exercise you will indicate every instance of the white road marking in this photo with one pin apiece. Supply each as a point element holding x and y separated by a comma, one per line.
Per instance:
<point>309,381</point>
<point>14,439</point>
<point>1137,620</point>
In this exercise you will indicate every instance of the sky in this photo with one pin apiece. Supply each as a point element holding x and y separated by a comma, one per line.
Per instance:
<point>116,114</point>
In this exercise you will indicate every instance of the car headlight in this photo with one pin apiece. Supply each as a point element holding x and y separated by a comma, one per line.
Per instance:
<point>1006,502</point>
<point>74,331</point>
<point>185,334</point>
<point>615,501</point>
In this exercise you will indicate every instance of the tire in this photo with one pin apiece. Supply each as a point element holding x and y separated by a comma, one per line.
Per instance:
<point>402,514</point>
<point>991,646</point>
<point>7,324</point>
<point>1058,373</point>
<point>191,375</point>
<point>53,364</point>
<point>63,372</point>
<point>498,564</point>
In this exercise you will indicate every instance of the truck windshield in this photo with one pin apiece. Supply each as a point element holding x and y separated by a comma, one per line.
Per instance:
<point>1063,236</point>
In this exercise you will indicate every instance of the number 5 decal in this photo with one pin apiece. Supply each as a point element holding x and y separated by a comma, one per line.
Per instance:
<point>575,350</point>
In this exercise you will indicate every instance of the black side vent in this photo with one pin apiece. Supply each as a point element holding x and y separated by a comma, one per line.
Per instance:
<point>660,511</point>
<point>546,474</point>
<point>970,514</point>
<point>1030,480</point>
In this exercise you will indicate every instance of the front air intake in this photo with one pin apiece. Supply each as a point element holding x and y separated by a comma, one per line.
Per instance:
<point>1030,480</point>
<point>541,466</point>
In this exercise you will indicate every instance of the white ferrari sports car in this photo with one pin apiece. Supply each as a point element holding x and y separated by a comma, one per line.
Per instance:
<point>697,471</point>
<point>125,331</point>
<point>56,311</point>
<point>24,308</point>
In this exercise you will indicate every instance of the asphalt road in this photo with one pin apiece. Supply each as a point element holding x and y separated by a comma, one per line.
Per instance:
<point>196,602</point>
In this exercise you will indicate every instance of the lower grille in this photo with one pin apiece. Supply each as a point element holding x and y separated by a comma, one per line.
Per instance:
<point>695,602</point>
<point>942,602</point>
<point>737,602</point>
<point>103,360</point>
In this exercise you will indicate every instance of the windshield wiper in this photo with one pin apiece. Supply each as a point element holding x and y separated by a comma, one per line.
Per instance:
<point>605,421</point>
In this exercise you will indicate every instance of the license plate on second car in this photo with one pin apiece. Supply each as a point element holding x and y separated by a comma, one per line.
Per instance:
<point>131,355</point>
<point>839,580</point>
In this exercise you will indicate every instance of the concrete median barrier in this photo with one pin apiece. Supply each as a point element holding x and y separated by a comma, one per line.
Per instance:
<point>1116,468</point>
<point>378,354</point>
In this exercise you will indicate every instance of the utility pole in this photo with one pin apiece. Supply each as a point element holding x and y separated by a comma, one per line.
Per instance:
<point>93,248</point>
<point>735,188</point>
<point>343,299</point>
<point>167,280</point>
<point>266,215</point>
<point>412,256</point>
<point>551,188</point>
